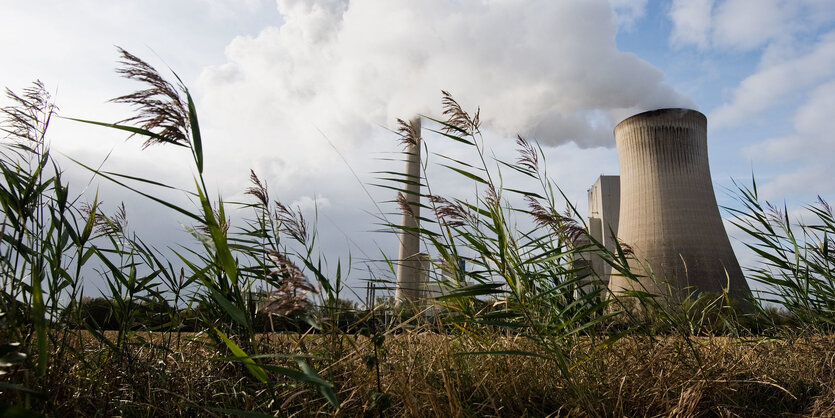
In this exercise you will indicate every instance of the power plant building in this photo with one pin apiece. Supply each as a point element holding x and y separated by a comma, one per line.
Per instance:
<point>604,212</point>
<point>666,210</point>
<point>662,208</point>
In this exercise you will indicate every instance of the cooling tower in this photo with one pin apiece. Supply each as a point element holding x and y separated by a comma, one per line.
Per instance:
<point>412,265</point>
<point>668,212</point>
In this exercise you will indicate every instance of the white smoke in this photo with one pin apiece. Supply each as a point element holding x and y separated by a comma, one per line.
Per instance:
<point>546,69</point>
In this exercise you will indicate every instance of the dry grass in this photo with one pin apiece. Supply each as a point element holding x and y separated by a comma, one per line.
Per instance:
<point>412,372</point>
<point>427,374</point>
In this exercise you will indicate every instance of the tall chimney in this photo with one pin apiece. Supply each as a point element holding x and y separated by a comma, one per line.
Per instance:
<point>411,265</point>
<point>668,212</point>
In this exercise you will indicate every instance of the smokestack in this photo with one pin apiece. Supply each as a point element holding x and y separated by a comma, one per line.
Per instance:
<point>411,269</point>
<point>668,211</point>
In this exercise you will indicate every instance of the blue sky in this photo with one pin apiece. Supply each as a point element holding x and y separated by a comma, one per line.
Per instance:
<point>281,84</point>
<point>742,40</point>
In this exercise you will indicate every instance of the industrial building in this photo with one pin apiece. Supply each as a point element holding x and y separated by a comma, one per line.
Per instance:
<point>663,208</point>
<point>604,213</point>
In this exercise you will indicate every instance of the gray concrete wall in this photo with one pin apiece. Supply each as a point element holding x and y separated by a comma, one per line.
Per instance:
<point>668,211</point>
<point>604,215</point>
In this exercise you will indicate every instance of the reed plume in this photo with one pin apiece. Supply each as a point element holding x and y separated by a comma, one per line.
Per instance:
<point>457,119</point>
<point>160,108</point>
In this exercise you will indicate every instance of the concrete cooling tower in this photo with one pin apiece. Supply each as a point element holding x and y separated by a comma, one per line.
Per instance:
<point>668,212</point>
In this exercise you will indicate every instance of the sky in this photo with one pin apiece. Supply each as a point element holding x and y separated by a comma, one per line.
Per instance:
<point>306,93</point>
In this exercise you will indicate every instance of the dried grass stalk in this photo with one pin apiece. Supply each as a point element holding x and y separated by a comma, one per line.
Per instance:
<point>160,108</point>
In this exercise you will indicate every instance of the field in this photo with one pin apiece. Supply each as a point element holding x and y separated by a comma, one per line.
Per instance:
<point>423,373</point>
<point>253,320</point>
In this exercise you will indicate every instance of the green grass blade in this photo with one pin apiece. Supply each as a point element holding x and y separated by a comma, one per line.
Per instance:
<point>256,370</point>
<point>233,311</point>
<point>131,129</point>
<point>196,138</point>
<point>137,191</point>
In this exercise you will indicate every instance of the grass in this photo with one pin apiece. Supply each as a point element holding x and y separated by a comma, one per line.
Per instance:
<point>431,374</point>
<point>182,332</point>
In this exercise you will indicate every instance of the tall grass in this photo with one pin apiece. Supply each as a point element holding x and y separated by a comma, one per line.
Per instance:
<point>43,235</point>
<point>798,257</point>
<point>517,332</point>
<point>524,281</point>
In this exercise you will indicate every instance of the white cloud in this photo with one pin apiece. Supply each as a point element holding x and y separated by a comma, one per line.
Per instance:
<point>627,12</point>
<point>744,25</point>
<point>812,139</point>
<point>539,68</point>
<point>310,204</point>
<point>230,9</point>
<point>807,181</point>
<point>691,22</point>
<point>335,77</point>
<point>772,83</point>
<point>547,69</point>
<point>811,145</point>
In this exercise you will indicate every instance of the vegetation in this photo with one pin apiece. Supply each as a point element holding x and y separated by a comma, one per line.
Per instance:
<point>252,322</point>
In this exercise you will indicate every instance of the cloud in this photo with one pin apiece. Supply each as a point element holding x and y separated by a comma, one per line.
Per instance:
<point>310,204</point>
<point>297,99</point>
<point>324,80</point>
<point>230,9</point>
<point>743,25</point>
<point>810,146</point>
<point>627,12</point>
<point>802,183</point>
<point>542,68</point>
<point>775,81</point>
<point>691,22</point>
<point>813,126</point>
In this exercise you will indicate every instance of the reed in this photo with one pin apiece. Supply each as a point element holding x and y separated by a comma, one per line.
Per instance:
<point>252,320</point>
